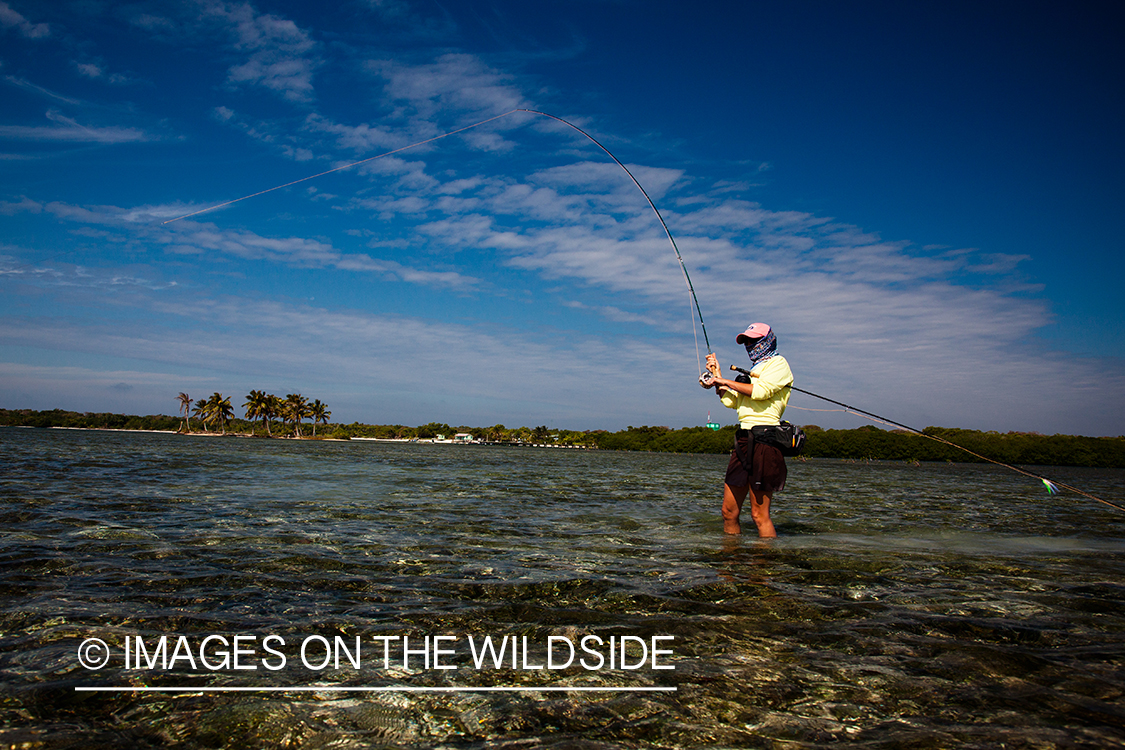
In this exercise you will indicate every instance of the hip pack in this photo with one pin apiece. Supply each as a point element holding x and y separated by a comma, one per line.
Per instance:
<point>786,437</point>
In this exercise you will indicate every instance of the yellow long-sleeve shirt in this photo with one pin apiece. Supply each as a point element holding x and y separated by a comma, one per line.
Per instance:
<point>767,404</point>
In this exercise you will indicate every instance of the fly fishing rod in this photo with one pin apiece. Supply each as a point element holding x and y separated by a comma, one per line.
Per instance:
<point>655,210</point>
<point>1052,487</point>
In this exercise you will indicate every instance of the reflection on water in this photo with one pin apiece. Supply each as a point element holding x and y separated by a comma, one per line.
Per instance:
<point>931,606</point>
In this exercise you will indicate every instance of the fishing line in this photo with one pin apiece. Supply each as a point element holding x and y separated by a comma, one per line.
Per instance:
<point>1052,487</point>
<point>695,337</point>
<point>337,169</point>
<point>594,140</point>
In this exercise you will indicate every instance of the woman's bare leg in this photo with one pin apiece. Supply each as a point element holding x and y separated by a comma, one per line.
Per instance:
<point>760,512</point>
<point>732,507</point>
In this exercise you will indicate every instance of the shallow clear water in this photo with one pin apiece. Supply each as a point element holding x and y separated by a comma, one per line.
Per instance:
<point>902,606</point>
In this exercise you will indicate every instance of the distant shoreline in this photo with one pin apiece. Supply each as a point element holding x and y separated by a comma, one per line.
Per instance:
<point>194,433</point>
<point>106,429</point>
<point>866,443</point>
<point>317,438</point>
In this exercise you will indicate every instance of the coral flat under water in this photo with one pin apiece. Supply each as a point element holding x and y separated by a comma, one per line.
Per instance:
<point>902,606</point>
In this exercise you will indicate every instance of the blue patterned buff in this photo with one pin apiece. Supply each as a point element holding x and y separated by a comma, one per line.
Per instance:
<point>763,349</point>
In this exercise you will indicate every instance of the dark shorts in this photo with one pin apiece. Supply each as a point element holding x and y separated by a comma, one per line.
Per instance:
<point>767,466</point>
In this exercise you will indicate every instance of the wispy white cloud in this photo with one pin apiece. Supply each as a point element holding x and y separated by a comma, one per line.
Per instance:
<point>27,85</point>
<point>277,133</point>
<point>51,273</point>
<point>144,225</point>
<point>11,19</point>
<point>997,263</point>
<point>280,56</point>
<point>416,101</point>
<point>359,139</point>
<point>70,130</point>
<point>97,71</point>
<point>609,312</point>
<point>23,205</point>
<point>605,178</point>
<point>455,82</point>
<point>264,50</point>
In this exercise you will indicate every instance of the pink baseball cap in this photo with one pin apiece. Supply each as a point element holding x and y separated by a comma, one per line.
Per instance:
<point>755,331</point>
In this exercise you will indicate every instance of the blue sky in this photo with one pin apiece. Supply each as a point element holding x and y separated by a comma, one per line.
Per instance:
<point>924,200</point>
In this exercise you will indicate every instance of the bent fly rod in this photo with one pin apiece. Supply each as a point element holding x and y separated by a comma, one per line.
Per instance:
<point>596,142</point>
<point>1052,487</point>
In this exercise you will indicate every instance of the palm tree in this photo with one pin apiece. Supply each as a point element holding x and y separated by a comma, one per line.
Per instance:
<point>294,408</point>
<point>260,405</point>
<point>273,409</point>
<point>222,410</point>
<point>185,409</point>
<point>203,411</point>
<point>319,413</point>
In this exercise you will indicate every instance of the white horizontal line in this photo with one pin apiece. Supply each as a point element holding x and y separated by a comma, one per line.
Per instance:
<point>391,689</point>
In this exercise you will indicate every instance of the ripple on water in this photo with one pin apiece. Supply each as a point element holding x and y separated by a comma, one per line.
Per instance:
<point>902,605</point>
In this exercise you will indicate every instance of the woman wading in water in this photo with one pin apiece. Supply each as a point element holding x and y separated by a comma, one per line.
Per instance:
<point>756,470</point>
